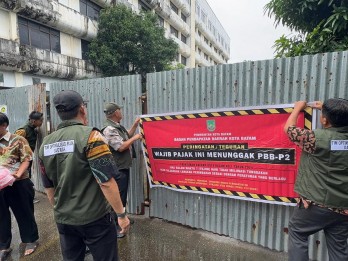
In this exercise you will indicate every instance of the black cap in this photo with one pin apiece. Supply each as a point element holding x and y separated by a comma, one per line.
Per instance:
<point>67,100</point>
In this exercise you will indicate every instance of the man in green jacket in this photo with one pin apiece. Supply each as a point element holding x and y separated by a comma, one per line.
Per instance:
<point>120,142</point>
<point>29,132</point>
<point>322,180</point>
<point>77,172</point>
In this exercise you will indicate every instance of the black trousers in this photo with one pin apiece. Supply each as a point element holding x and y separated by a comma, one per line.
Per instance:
<point>19,197</point>
<point>122,181</point>
<point>29,168</point>
<point>305,222</point>
<point>100,236</point>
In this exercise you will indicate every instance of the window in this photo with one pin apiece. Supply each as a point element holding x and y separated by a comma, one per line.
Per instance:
<point>174,8</point>
<point>37,35</point>
<point>210,25</point>
<point>204,17</point>
<point>199,51</point>
<point>198,10</point>
<point>143,7</point>
<point>1,79</point>
<point>183,38</point>
<point>177,57</point>
<point>199,33</point>
<point>206,40</point>
<point>206,57</point>
<point>160,21</point>
<point>183,17</point>
<point>183,60</point>
<point>84,49</point>
<point>89,9</point>
<point>36,80</point>
<point>174,32</point>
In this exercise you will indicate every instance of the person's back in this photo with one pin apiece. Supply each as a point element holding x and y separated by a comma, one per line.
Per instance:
<point>71,173</point>
<point>326,168</point>
<point>77,171</point>
<point>322,181</point>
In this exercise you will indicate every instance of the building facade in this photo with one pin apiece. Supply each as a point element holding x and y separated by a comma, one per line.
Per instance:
<point>43,41</point>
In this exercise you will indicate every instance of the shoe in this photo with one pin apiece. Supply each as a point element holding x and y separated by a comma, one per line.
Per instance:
<point>120,235</point>
<point>30,248</point>
<point>4,253</point>
<point>131,221</point>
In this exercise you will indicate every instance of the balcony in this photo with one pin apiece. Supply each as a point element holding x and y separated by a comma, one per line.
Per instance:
<point>209,35</point>
<point>124,2</point>
<point>163,9</point>
<point>27,59</point>
<point>104,3</point>
<point>204,46</point>
<point>151,3</point>
<point>199,59</point>
<point>184,49</point>
<point>183,5</point>
<point>179,24</point>
<point>208,50</point>
<point>58,16</point>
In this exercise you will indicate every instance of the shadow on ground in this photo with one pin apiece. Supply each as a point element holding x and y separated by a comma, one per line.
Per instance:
<point>149,239</point>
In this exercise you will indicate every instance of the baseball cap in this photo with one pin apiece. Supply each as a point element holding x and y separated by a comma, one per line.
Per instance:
<point>67,100</point>
<point>111,107</point>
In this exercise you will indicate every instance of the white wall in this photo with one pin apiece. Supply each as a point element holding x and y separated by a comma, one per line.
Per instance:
<point>74,4</point>
<point>28,80</point>
<point>70,45</point>
<point>14,79</point>
<point>9,79</point>
<point>5,24</point>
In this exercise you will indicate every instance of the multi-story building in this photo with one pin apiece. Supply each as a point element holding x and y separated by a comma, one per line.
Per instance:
<point>47,40</point>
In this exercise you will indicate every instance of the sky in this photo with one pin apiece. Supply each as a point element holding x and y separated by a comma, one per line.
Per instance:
<point>252,33</point>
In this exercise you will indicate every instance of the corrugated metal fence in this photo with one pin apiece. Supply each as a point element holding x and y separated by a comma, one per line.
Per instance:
<point>267,82</point>
<point>20,102</point>
<point>125,91</point>
<point>245,84</point>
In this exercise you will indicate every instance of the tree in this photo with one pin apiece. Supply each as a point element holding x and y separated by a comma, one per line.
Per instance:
<point>322,26</point>
<point>130,43</point>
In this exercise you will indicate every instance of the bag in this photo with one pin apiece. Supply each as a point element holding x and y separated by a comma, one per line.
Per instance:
<point>6,179</point>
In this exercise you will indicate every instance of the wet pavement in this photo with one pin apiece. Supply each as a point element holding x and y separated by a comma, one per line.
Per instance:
<point>149,239</point>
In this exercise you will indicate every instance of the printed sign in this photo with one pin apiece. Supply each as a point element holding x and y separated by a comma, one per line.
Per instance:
<point>3,109</point>
<point>339,145</point>
<point>59,147</point>
<point>240,153</point>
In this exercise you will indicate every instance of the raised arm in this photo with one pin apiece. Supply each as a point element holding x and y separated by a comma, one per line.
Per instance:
<point>292,120</point>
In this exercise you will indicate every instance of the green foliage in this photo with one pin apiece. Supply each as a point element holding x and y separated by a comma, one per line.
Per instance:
<point>130,43</point>
<point>171,67</point>
<point>323,26</point>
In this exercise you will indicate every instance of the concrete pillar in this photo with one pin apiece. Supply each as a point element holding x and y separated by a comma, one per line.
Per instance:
<point>192,61</point>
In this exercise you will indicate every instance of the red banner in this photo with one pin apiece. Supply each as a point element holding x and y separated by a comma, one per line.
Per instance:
<point>243,154</point>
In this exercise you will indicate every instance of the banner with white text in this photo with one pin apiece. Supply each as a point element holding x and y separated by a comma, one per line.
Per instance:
<point>239,152</point>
